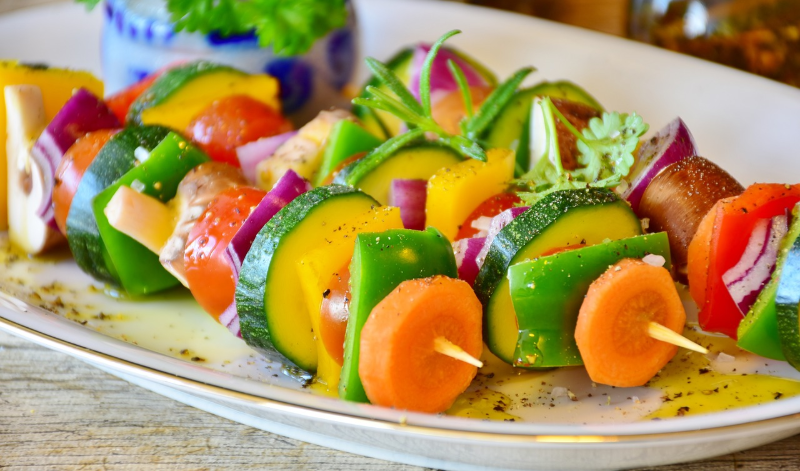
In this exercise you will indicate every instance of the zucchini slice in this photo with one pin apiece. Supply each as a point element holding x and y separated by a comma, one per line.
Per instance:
<point>180,94</point>
<point>787,299</point>
<point>374,173</point>
<point>272,308</point>
<point>560,219</point>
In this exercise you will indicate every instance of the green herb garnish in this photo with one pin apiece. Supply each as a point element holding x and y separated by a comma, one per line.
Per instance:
<point>606,149</point>
<point>290,26</point>
<point>418,114</point>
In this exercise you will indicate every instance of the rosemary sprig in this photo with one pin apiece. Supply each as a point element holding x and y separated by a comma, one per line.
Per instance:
<point>418,114</point>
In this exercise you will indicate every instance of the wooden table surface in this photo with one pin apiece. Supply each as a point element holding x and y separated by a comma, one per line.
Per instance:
<point>59,413</point>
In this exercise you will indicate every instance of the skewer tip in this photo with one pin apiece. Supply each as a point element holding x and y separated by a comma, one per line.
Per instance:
<point>446,347</point>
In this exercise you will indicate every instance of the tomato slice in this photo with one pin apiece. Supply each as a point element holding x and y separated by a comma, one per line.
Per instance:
<point>493,206</point>
<point>208,272</point>
<point>71,169</point>
<point>334,312</point>
<point>232,122</point>
<point>450,110</point>
<point>734,225</point>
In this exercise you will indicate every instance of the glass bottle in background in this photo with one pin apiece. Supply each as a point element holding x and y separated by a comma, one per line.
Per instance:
<point>759,36</point>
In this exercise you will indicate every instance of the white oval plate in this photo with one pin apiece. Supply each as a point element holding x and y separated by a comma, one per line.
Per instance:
<point>745,123</point>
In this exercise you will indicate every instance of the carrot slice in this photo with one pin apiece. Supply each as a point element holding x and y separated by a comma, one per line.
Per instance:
<point>700,252</point>
<point>399,366</point>
<point>612,329</point>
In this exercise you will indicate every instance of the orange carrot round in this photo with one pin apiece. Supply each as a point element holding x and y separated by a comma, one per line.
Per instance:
<point>399,366</point>
<point>612,330</point>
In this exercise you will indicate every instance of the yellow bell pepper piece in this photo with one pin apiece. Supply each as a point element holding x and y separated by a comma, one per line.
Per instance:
<point>179,110</point>
<point>57,86</point>
<point>454,192</point>
<point>317,268</point>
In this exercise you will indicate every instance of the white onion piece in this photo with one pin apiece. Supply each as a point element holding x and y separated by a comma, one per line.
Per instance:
<point>746,279</point>
<point>466,252</point>
<point>253,153</point>
<point>410,196</point>
<point>671,144</point>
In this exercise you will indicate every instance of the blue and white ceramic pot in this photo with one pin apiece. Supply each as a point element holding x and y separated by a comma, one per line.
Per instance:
<point>138,38</point>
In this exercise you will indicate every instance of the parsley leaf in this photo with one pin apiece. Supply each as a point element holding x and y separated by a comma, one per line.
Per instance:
<point>290,26</point>
<point>606,149</point>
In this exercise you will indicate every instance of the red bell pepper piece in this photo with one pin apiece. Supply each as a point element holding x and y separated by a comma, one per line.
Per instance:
<point>733,226</point>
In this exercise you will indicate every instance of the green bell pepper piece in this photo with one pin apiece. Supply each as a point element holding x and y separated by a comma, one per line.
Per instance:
<point>548,292</point>
<point>138,268</point>
<point>381,261</point>
<point>346,139</point>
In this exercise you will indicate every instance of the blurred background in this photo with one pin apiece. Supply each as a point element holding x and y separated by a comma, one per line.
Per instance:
<point>759,36</point>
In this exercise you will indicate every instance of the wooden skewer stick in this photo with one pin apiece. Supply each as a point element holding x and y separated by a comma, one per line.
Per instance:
<point>446,347</point>
<point>659,332</point>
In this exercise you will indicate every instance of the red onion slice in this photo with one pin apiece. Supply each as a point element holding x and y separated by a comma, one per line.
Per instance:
<point>498,223</point>
<point>410,196</point>
<point>466,252</point>
<point>230,319</point>
<point>747,278</point>
<point>289,187</point>
<point>442,81</point>
<point>671,144</point>
<point>81,114</point>
<point>253,153</point>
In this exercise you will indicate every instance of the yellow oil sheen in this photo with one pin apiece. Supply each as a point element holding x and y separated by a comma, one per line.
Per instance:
<point>57,87</point>
<point>287,309</point>
<point>413,163</point>
<point>179,109</point>
<point>590,226</point>
<point>455,191</point>
<point>691,386</point>
<point>317,268</point>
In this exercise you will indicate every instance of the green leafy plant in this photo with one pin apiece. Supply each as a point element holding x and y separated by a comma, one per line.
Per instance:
<point>606,149</point>
<point>418,114</point>
<point>290,26</point>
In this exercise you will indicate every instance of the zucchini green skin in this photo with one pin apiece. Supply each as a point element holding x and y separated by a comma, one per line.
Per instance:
<point>113,161</point>
<point>759,331</point>
<point>534,226</point>
<point>511,129</point>
<point>527,226</point>
<point>257,270</point>
<point>381,261</point>
<point>787,299</point>
<point>547,293</point>
<point>167,84</point>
